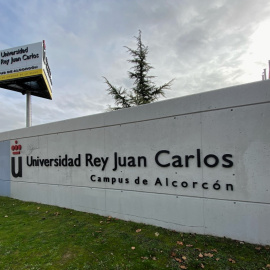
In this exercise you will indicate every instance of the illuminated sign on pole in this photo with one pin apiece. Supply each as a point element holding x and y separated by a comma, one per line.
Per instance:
<point>26,69</point>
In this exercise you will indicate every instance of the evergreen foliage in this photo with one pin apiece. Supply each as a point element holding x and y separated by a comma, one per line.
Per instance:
<point>144,90</point>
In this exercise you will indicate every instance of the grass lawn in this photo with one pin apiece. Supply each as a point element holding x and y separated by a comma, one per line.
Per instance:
<point>37,236</point>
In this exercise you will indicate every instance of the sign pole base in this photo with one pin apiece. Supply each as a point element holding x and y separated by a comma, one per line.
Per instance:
<point>28,109</point>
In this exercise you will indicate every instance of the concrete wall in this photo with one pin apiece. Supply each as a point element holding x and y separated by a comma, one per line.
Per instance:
<point>4,168</point>
<point>198,163</point>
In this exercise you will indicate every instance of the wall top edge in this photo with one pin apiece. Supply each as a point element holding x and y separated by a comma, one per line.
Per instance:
<point>235,96</point>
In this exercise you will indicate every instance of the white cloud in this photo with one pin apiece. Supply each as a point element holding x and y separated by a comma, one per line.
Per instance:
<point>204,45</point>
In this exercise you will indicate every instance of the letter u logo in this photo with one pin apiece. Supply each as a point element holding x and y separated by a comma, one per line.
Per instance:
<point>19,172</point>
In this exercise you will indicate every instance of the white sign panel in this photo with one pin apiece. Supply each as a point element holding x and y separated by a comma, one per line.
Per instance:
<point>25,62</point>
<point>20,59</point>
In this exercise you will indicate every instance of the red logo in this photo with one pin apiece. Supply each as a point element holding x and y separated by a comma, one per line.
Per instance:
<point>16,149</point>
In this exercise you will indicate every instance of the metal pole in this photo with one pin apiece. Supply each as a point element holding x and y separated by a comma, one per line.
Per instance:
<point>269,69</point>
<point>264,73</point>
<point>28,109</point>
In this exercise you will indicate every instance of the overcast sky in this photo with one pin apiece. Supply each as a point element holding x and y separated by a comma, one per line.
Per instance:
<point>204,45</point>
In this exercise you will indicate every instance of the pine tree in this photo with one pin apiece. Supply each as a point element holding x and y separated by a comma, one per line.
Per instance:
<point>144,90</point>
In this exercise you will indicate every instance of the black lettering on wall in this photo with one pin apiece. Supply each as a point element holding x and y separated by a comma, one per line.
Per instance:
<point>187,160</point>
<point>157,158</point>
<point>229,162</point>
<point>177,161</point>
<point>211,157</point>
<point>19,172</point>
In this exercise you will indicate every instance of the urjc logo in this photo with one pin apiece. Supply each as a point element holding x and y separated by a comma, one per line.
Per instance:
<point>16,150</point>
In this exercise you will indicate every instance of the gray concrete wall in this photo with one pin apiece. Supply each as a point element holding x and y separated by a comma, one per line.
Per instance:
<point>4,168</point>
<point>198,163</point>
